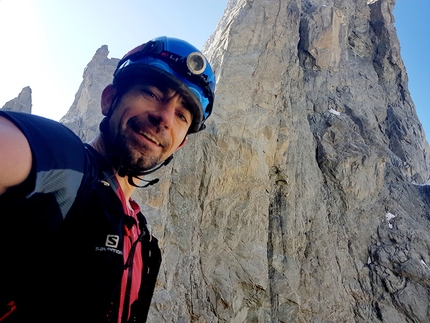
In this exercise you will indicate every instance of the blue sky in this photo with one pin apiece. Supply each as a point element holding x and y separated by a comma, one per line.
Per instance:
<point>46,44</point>
<point>412,22</point>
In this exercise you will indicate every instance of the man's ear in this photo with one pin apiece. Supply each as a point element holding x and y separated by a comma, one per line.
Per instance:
<point>107,96</point>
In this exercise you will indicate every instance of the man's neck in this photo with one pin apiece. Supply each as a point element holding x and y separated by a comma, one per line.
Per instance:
<point>127,189</point>
<point>99,146</point>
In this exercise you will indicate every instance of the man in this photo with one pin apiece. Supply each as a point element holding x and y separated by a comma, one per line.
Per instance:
<point>74,245</point>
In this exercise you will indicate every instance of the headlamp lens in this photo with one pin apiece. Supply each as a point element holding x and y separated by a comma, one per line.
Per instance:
<point>196,63</point>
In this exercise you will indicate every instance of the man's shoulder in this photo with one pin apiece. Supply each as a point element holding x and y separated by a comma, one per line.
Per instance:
<point>30,123</point>
<point>54,146</point>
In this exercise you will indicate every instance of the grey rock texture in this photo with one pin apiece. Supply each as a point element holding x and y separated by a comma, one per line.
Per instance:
<point>22,103</point>
<point>278,213</point>
<point>305,200</point>
<point>84,115</point>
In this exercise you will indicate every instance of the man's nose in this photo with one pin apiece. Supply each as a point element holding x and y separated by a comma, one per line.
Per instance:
<point>164,114</point>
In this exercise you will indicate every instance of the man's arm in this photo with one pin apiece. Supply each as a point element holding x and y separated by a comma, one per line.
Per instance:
<point>15,156</point>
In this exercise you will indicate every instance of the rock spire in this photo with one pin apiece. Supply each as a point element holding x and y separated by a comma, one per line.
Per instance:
<point>305,199</point>
<point>22,103</point>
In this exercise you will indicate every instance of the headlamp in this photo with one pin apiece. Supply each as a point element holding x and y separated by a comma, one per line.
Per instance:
<point>196,63</point>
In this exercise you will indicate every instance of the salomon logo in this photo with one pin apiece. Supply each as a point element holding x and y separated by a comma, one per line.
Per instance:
<point>112,241</point>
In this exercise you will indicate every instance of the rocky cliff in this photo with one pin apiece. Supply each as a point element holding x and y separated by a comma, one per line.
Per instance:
<point>305,200</point>
<point>22,103</point>
<point>84,115</point>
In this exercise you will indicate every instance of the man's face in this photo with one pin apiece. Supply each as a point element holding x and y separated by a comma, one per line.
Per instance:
<point>148,124</point>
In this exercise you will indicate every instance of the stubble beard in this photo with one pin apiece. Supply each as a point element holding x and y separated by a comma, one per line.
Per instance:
<point>135,155</point>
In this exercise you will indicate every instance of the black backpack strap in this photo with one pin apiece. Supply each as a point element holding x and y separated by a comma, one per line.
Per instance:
<point>152,261</point>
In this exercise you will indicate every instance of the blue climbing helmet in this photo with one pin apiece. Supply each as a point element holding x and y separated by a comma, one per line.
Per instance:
<point>181,63</point>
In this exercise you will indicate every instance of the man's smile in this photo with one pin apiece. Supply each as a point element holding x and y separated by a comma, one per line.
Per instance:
<point>150,137</point>
<point>143,128</point>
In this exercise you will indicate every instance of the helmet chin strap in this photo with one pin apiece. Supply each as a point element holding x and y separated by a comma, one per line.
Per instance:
<point>131,175</point>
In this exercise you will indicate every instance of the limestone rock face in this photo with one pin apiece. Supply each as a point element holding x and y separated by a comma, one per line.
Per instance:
<point>85,115</point>
<point>22,103</point>
<point>305,200</point>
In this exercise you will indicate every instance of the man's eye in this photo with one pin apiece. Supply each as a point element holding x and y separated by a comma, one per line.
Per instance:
<point>148,93</point>
<point>183,117</point>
